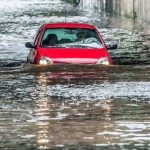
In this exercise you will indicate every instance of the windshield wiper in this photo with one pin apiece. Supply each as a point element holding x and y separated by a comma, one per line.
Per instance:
<point>79,46</point>
<point>54,46</point>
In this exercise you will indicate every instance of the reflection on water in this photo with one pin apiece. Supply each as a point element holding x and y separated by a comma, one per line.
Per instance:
<point>43,113</point>
<point>54,118</point>
<point>59,121</point>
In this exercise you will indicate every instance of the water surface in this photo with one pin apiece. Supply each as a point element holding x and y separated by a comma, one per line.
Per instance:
<point>71,106</point>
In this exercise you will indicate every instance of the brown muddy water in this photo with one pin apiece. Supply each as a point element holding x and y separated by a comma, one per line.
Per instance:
<point>72,107</point>
<point>75,107</point>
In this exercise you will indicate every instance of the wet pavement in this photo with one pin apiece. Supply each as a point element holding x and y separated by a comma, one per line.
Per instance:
<point>71,107</point>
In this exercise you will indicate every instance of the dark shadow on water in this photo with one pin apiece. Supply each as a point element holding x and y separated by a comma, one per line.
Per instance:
<point>11,64</point>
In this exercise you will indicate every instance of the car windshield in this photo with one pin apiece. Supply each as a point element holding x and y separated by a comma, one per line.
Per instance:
<point>71,37</point>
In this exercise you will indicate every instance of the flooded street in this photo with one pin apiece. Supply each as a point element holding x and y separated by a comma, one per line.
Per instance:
<point>73,107</point>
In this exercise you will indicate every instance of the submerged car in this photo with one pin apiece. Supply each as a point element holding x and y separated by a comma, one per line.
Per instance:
<point>71,43</point>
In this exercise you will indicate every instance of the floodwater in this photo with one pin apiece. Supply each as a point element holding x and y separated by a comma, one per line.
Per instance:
<point>72,107</point>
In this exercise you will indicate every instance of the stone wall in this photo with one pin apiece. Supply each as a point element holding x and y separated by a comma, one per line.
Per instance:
<point>135,9</point>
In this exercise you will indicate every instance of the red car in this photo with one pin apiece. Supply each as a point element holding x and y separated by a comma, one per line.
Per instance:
<point>73,43</point>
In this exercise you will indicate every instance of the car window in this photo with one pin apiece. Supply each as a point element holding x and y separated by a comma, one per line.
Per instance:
<point>71,37</point>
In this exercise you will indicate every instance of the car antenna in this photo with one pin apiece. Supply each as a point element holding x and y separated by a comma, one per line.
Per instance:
<point>65,16</point>
<point>65,12</point>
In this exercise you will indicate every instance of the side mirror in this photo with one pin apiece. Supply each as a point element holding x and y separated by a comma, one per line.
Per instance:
<point>30,45</point>
<point>111,46</point>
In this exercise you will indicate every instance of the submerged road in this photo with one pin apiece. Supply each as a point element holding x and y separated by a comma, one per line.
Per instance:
<point>71,106</point>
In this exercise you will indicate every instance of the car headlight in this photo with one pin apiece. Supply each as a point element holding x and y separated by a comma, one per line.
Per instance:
<point>45,61</point>
<point>103,61</point>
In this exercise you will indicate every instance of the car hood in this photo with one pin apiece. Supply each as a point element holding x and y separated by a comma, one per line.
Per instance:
<point>74,55</point>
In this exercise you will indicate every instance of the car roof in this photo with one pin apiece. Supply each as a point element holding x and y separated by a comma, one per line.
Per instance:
<point>69,24</point>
